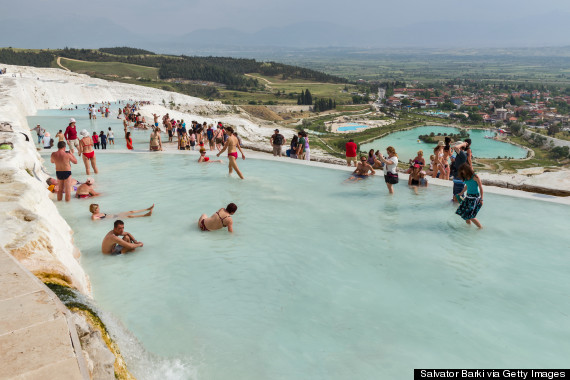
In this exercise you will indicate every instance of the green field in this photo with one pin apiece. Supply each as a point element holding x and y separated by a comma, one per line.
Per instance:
<point>124,70</point>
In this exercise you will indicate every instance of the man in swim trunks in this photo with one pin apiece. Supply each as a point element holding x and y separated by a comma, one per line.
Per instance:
<point>114,245</point>
<point>62,161</point>
<point>362,170</point>
<point>85,190</point>
<point>220,219</point>
<point>71,136</point>
<point>155,119</point>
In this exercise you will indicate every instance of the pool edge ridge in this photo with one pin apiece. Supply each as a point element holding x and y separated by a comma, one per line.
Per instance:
<point>38,240</point>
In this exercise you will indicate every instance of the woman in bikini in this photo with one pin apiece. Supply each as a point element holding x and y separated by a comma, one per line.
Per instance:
<point>96,213</point>
<point>87,151</point>
<point>155,143</point>
<point>220,219</point>
<point>232,145</point>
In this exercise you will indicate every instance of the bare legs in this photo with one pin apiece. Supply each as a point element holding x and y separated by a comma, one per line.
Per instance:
<point>94,164</point>
<point>130,214</point>
<point>233,165</point>
<point>61,185</point>
<point>390,188</point>
<point>88,162</point>
<point>475,222</point>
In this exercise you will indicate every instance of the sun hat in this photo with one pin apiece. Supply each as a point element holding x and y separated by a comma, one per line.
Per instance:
<point>84,133</point>
<point>72,120</point>
<point>440,143</point>
<point>90,181</point>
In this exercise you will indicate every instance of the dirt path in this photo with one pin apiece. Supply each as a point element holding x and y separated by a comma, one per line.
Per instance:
<point>60,65</point>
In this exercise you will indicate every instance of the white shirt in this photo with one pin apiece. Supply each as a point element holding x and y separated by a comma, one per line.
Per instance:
<point>110,135</point>
<point>392,167</point>
<point>46,141</point>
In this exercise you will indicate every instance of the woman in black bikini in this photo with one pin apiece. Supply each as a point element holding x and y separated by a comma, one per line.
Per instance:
<point>220,219</point>
<point>96,213</point>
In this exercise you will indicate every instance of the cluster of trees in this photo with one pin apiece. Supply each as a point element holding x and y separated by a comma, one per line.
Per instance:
<point>324,104</point>
<point>211,73</point>
<point>10,56</point>
<point>288,71</point>
<point>432,139</point>
<point>225,70</point>
<point>357,99</point>
<point>126,51</point>
<point>560,152</point>
<point>305,99</point>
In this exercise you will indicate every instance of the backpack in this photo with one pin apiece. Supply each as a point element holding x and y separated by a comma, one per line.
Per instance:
<point>278,139</point>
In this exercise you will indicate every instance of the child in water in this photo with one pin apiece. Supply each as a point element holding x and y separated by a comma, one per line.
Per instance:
<point>473,201</point>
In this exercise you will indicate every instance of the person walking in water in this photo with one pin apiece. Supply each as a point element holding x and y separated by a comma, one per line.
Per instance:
<point>111,136</point>
<point>86,149</point>
<point>232,145</point>
<point>71,136</point>
<point>114,245</point>
<point>390,168</point>
<point>62,161</point>
<point>220,219</point>
<point>473,201</point>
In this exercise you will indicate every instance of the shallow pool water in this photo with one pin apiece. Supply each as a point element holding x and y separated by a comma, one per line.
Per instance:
<point>407,143</point>
<point>324,279</point>
<point>54,120</point>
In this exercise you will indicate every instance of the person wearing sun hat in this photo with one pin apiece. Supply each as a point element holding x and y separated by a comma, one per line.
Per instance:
<point>48,141</point>
<point>85,190</point>
<point>86,149</point>
<point>71,136</point>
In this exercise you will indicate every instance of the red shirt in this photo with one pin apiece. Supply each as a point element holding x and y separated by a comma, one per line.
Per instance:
<point>95,139</point>
<point>350,149</point>
<point>70,133</point>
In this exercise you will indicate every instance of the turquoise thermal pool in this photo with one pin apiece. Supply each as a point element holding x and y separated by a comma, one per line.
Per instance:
<point>54,120</point>
<point>351,127</point>
<point>407,144</point>
<point>323,279</point>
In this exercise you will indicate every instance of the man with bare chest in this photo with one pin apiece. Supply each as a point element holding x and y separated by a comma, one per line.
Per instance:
<point>62,161</point>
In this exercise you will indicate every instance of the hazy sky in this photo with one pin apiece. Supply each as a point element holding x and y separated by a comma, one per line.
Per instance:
<point>181,16</point>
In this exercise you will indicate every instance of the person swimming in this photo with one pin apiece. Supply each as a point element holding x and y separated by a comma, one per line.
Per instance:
<point>220,219</point>
<point>96,213</point>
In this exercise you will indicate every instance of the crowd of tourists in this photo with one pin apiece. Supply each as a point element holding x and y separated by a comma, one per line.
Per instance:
<point>449,162</point>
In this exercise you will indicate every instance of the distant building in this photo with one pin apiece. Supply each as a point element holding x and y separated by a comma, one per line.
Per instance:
<point>501,113</point>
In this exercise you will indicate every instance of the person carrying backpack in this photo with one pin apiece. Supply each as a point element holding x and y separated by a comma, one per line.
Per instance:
<point>277,140</point>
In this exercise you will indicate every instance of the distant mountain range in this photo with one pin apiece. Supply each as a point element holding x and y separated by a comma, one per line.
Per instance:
<point>551,29</point>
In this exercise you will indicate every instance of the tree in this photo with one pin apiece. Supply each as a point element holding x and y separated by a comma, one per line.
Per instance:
<point>553,130</point>
<point>308,98</point>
